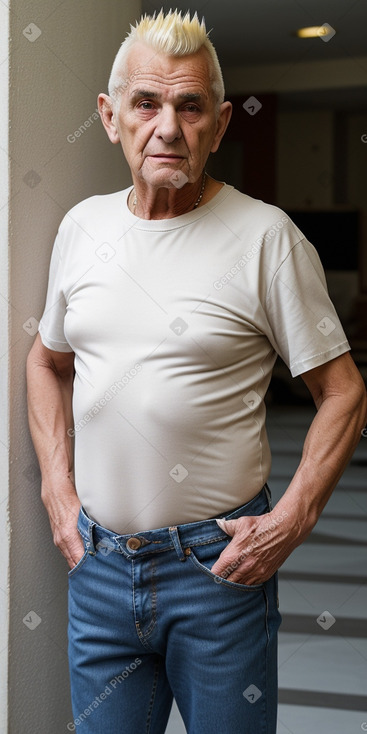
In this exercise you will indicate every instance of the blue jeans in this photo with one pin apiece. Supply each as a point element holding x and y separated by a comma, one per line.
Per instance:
<point>148,620</point>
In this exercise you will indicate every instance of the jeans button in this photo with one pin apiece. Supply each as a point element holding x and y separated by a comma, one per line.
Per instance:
<point>133,543</point>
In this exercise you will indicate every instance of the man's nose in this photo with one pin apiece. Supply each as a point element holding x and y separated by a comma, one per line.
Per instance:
<point>168,124</point>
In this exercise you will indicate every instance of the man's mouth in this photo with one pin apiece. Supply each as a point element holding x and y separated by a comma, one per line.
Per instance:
<point>167,156</point>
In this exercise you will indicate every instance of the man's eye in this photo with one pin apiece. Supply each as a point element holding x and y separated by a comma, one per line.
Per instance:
<point>146,105</point>
<point>191,108</point>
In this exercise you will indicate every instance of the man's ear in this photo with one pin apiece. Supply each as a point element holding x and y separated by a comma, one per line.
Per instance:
<point>105,110</point>
<point>225,113</point>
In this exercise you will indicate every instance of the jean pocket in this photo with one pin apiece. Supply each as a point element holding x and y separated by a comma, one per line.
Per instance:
<point>204,556</point>
<point>80,563</point>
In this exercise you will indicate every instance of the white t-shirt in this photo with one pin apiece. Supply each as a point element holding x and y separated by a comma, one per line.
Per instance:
<point>176,325</point>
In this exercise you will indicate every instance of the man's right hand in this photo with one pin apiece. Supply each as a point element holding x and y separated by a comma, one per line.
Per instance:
<point>50,377</point>
<point>63,508</point>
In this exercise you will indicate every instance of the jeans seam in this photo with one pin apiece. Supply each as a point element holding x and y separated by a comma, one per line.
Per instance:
<point>266,660</point>
<point>143,635</point>
<point>152,697</point>
<point>153,622</point>
<point>207,542</point>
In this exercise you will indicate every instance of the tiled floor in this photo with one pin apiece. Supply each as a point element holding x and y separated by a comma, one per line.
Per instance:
<point>322,672</point>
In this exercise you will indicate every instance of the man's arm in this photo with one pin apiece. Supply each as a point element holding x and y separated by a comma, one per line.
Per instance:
<point>260,545</point>
<point>50,385</point>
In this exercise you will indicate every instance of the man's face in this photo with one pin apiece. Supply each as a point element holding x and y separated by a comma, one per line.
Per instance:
<point>166,118</point>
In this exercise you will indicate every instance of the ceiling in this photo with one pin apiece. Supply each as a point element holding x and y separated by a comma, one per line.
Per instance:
<point>262,31</point>
<point>250,32</point>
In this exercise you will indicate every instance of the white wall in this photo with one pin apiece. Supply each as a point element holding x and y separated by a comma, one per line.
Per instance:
<point>58,66</point>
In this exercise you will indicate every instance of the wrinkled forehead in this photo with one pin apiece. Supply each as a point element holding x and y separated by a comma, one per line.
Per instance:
<point>147,67</point>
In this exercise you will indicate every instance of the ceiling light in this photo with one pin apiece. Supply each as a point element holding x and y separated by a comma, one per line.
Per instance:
<point>315,30</point>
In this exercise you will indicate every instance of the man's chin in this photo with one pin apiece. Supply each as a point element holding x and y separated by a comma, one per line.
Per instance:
<point>166,177</point>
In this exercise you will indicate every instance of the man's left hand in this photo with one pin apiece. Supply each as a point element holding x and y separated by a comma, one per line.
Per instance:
<point>259,546</point>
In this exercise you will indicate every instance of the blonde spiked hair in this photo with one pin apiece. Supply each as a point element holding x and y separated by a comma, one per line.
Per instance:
<point>173,35</point>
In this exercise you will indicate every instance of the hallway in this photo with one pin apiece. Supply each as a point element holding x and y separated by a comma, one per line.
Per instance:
<point>322,664</point>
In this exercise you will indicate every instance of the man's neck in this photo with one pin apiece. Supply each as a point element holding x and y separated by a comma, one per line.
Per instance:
<point>164,203</point>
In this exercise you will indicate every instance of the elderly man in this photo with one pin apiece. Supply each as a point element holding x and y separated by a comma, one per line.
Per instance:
<point>171,301</point>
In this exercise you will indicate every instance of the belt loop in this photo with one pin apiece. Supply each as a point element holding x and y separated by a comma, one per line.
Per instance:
<point>85,527</point>
<point>90,543</point>
<point>176,542</point>
<point>268,494</point>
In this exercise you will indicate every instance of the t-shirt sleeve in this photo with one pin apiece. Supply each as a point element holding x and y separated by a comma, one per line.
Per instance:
<point>51,326</point>
<point>304,324</point>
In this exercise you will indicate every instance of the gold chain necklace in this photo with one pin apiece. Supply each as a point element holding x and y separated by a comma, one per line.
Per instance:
<point>197,202</point>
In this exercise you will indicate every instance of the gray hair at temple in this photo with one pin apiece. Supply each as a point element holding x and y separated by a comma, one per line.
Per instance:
<point>171,34</point>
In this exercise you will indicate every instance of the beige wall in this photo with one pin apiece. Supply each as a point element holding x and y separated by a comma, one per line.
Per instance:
<point>55,77</point>
<point>4,314</point>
